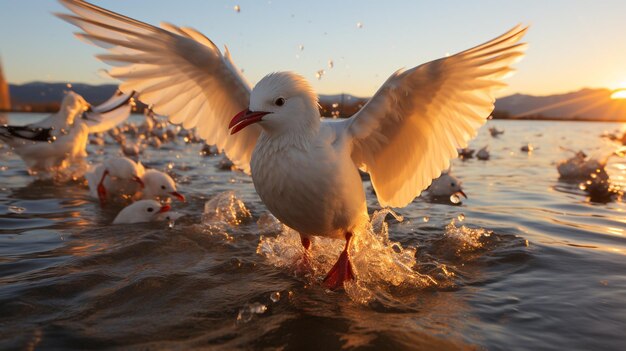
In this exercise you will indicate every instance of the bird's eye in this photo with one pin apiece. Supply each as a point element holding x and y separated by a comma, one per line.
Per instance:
<point>279,102</point>
<point>163,187</point>
<point>452,184</point>
<point>150,209</point>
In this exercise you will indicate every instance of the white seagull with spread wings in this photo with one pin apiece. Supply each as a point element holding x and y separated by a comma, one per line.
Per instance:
<point>304,167</point>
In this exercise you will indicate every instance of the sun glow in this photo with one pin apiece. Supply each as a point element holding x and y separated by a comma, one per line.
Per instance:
<point>619,94</point>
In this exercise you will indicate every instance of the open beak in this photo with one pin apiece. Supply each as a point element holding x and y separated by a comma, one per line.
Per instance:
<point>178,195</point>
<point>165,208</point>
<point>138,180</point>
<point>462,193</point>
<point>244,119</point>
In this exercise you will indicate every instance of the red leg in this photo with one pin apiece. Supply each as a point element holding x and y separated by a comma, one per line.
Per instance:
<point>304,267</point>
<point>102,192</point>
<point>342,270</point>
<point>306,242</point>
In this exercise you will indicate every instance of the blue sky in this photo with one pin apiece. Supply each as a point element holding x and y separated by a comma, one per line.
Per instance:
<point>573,44</point>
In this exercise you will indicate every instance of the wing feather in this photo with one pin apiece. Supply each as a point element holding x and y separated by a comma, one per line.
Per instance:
<point>407,133</point>
<point>177,70</point>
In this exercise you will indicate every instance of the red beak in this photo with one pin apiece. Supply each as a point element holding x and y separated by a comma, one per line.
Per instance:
<point>164,208</point>
<point>462,193</point>
<point>178,195</point>
<point>244,119</point>
<point>138,180</point>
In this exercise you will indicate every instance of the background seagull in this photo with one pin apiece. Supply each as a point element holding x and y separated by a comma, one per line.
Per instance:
<point>142,211</point>
<point>58,139</point>
<point>304,168</point>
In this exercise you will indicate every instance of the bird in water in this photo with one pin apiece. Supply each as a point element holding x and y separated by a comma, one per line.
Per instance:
<point>61,138</point>
<point>142,211</point>
<point>306,168</point>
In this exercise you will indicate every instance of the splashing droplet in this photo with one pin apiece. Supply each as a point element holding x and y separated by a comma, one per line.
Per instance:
<point>461,217</point>
<point>249,310</point>
<point>582,186</point>
<point>237,8</point>
<point>319,74</point>
<point>331,64</point>
<point>301,47</point>
<point>275,296</point>
<point>359,25</point>
<point>16,209</point>
<point>455,199</point>
<point>426,219</point>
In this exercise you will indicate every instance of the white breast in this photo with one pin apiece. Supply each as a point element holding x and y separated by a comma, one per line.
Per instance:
<point>313,189</point>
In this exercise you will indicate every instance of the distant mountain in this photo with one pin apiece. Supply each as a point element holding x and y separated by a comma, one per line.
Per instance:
<point>585,104</point>
<point>43,96</point>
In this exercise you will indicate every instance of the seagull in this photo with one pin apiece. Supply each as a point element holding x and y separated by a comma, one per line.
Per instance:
<point>483,154</point>
<point>142,211</point>
<point>115,176</point>
<point>445,186</point>
<point>305,168</point>
<point>495,132</point>
<point>158,184</point>
<point>121,176</point>
<point>54,142</point>
<point>45,152</point>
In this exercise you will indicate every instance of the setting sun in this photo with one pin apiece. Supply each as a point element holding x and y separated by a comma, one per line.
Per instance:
<point>619,94</point>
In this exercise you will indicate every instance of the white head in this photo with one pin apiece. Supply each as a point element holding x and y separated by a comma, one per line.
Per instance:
<point>73,105</point>
<point>446,185</point>
<point>124,168</point>
<point>160,184</point>
<point>282,102</point>
<point>141,211</point>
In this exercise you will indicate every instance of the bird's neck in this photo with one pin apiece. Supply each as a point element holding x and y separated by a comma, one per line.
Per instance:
<point>299,135</point>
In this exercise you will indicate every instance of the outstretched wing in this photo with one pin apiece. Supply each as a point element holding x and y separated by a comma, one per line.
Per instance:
<point>411,128</point>
<point>110,113</point>
<point>178,71</point>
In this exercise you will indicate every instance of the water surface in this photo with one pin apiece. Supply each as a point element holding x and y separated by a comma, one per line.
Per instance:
<point>533,264</point>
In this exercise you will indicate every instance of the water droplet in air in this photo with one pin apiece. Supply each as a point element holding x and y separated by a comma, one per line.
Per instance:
<point>249,310</point>
<point>319,74</point>
<point>237,8</point>
<point>455,199</point>
<point>426,219</point>
<point>258,308</point>
<point>16,209</point>
<point>582,186</point>
<point>593,175</point>
<point>301,47</point>
<point>275,296</point>
<point>461,217</point>
<point>335,105</point>
<point>359,25</point>
<point>331,64</point>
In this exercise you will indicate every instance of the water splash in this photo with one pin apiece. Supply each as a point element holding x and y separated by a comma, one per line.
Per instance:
<point>464,239</point>
<point>247,312</point>
<point>378,262</point>
<point>275,296</point>
<point>224,211</point>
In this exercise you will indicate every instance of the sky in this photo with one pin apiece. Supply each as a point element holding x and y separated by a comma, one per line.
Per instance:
<point>573,43</point>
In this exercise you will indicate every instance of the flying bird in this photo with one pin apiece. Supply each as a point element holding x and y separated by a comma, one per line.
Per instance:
<point>306,168</point>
